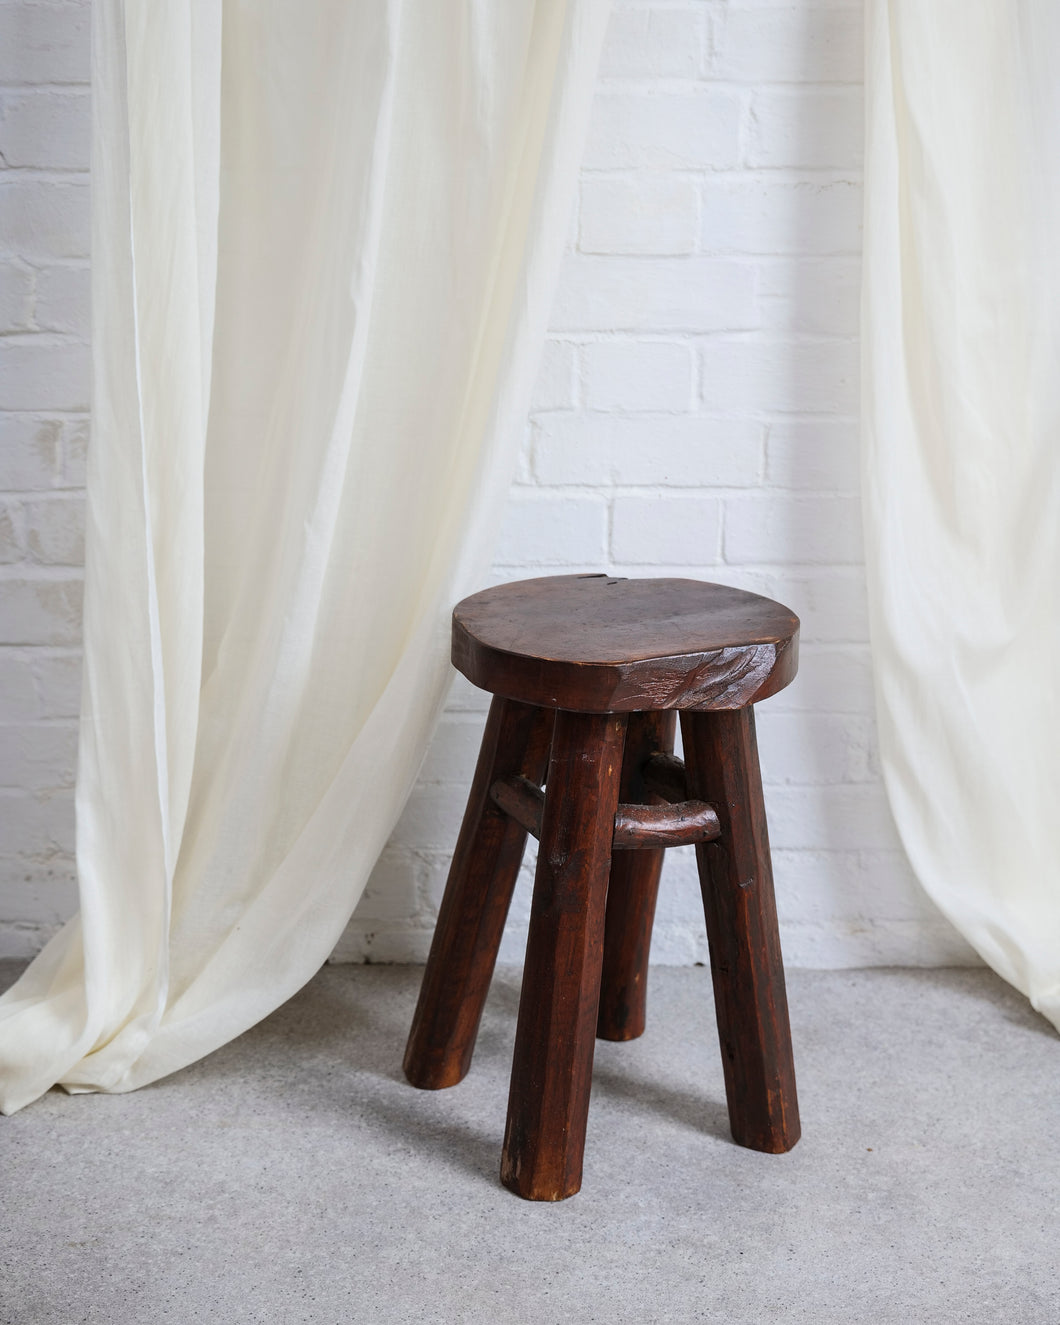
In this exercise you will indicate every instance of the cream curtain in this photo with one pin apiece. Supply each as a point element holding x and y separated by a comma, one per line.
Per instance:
<point>961,336</point>
<point>325,238</point>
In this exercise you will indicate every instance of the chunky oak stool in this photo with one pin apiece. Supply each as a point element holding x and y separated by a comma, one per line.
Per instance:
<point>588,674</point>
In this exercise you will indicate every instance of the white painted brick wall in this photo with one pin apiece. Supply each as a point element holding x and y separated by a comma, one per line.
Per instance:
<point>695,414</point>
<point>44,392</point>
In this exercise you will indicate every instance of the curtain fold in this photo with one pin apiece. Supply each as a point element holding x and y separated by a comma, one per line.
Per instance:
<point>325,239</point>
<point>961,399</point>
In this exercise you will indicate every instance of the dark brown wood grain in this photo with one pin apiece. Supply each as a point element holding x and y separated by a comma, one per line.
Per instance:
<point>599,644</point>
<point>671,824</point>
<point>589,673</point>
<point>632,891</point>
<point>552,1067</point>
<point>478,893</point>
<point>721,761</point>
<point>676,824</point>
<point>517,796</point>
<point>664,776</point>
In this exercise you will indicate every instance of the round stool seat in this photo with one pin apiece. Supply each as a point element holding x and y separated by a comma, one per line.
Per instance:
<point>601,644</point>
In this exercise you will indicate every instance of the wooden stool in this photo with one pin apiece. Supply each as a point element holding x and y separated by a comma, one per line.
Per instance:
<point>586,673</point>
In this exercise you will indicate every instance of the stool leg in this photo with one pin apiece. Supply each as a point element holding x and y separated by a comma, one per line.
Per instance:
<point>736,875</point>
<point>553,1062</point>
<point>474,908</point>
<point>632,892</point>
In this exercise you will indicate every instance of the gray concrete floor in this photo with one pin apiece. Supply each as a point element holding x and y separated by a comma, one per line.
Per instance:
<point>295,1177</point>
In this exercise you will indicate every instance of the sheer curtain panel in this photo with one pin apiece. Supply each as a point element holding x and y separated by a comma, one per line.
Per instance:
<point>325,237</point>
<point>962,460</point>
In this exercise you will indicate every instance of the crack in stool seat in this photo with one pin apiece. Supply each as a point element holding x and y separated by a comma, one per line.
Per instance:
<point>589,675</point>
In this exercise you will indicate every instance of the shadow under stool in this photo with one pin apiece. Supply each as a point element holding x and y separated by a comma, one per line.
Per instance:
<point>589,674</point>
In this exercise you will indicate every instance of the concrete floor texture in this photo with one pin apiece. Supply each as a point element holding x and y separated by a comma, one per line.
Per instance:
<point>294,1176</point>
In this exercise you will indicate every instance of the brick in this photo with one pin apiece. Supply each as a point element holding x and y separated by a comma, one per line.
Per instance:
<point>798,530</point>
<point>680,899</point>
<point>434,871</point>
<point>522,472</point>
<point>806,4</point>
<point>555,385</point>
<point>16,297</point>
<point>827,887</point>
<point>466,698</point>
<point>645,214</point>
<point>653,43</point>
<point>453,751</point>
<point>38,756</point>
<point>42,219</point>
<point>58,683</point>
<point>431,819</point>
<point>46,129</point>
<point>75,451</point>
<point>815,886</point>
<point>48,897</point>
<point>665,130</point>
<point>513,944</point>
<point>42,43</point>
<point>18,694</point>
<point>40,610</point>
<point>38,828</point>
<point>650,450</point>
<point>44,373</point>
<point>756,213</point>
<point>814,747</point>
<point>634,375</point>
<point>830,680</point>
<point>666,529</point>
<point>42,900</point>
<point>12,541</point>
<point>807,130</point>
<point>30,452</point>
<point>55,529</point>
<point>380,942</point>
<point>715,571</point>
<point>812,296</point>
<point>829,601</point>
<point>546,530</point>
<point>869,942</point>
<point>813,454</point>
<point>890,890</point>
<point>793,44</point>
<point>679,946</point>
<point>655,294</point>
<point>21,942</point>
<point>64,300</point>
<point>831,818</point>
<point>780,376</point>
<point>392,890</point>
